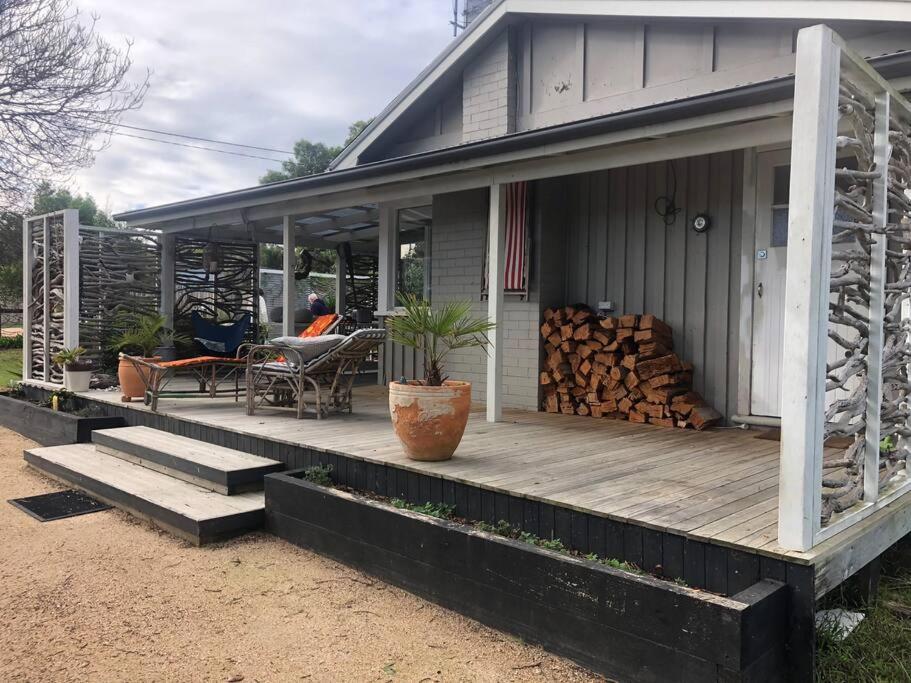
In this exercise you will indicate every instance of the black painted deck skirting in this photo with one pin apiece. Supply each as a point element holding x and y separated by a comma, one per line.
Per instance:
<point>719,569</point>
<point>619,624</point>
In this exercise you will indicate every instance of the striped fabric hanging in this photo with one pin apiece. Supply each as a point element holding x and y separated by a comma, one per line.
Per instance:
<point>515,279</point>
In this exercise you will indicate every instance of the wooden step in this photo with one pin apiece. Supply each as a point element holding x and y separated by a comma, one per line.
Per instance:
<point>186,510</point>
<point>220,469</point>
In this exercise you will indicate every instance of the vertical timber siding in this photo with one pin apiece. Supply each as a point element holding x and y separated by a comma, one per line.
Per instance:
<point>617,248</point>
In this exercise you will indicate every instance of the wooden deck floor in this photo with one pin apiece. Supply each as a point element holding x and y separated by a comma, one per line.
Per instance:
<point>720,485</point>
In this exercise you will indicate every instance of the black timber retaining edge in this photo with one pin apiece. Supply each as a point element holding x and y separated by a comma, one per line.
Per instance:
<point>701,565</point>
<point>624,625</point>
<point>49,427</point>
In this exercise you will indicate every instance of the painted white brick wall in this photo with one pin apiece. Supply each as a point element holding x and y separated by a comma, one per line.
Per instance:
<point>489,93</point>
<point>459,231</point>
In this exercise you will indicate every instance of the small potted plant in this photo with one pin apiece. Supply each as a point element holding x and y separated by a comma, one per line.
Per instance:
<point>141,338</point>
<point>168,339</point>
<point>429,415</point>
<point>77,373</point>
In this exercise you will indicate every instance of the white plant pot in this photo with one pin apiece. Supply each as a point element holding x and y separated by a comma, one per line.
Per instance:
<point>77,380</point>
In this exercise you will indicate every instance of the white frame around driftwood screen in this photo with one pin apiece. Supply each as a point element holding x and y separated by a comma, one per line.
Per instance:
<point>67,323</point>
<point>822,61</point>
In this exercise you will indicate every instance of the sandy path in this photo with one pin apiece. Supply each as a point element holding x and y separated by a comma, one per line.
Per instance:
<point>105,598</point>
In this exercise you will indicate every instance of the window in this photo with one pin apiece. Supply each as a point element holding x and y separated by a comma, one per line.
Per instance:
<point>780,190</point>
<point>413,250</point>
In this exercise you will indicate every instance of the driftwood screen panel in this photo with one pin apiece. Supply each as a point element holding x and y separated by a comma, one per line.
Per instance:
<point>362,283</point>
<point>44,297</point>
<point>119,279</point>
<point>845,414</point>
<point>221,296</point>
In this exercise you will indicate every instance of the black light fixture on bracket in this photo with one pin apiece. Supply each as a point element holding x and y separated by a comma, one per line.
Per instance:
<point>211,256</point>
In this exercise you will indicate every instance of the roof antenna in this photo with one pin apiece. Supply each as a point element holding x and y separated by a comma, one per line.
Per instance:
<point>455,19</point>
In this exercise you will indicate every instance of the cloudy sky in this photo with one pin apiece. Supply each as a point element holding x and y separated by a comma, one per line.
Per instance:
<point>264,73</point>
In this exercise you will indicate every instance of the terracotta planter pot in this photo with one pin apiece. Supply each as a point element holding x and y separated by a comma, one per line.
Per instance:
<point>429,421</point>
<point>131,381</point>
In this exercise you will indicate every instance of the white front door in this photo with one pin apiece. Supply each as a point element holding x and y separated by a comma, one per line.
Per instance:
<point>770,253</point>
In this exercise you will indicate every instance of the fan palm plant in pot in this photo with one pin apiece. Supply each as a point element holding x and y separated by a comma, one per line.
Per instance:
<point>141,336</point>
<point>77,373</point>
<point>429,415</point>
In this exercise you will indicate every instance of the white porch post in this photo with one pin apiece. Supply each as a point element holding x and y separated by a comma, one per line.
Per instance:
<point>28,261</point>
<point>289,290</point>
<point>70,278</point>
<point>881,152</point>
<point>166,302</point>
<point>807,286</point>
<point>387,259</point>
<point>495,267</point>
<point>341,286</point>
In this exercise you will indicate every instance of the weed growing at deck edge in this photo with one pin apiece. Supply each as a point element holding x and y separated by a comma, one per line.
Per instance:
<point>879,649</point>
<point>438,510</point>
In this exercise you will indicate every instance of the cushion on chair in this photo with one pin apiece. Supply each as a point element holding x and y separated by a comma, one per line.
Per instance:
<point>199,360</point>
<point>310,347</point>
<point>319,326</point>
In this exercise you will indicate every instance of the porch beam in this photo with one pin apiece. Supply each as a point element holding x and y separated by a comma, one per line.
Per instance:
<point>806,317</point>
<point>289,291</point>
<point>70,278</point>
<point>341,284</point>
<point>496,257</point>
<point>679,138</point>
<point>881,154</point>
<point>387,259</point>
<point>168,244</point>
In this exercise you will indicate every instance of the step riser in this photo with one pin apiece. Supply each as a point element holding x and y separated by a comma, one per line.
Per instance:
<point>171,472</point>
<point>198,532</point>
<point>224,481</point>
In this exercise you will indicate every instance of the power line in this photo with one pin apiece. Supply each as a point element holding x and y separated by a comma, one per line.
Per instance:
<point>207,149</point>
<point>194,137</point>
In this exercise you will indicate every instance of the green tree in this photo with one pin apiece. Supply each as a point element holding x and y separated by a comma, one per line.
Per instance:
<point>48,199</point>
<point>311,158</point>
<point>355,129</point>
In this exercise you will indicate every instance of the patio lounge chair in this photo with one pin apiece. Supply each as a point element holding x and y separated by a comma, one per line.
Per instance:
<point>327,367</point>
<point>210,372</point>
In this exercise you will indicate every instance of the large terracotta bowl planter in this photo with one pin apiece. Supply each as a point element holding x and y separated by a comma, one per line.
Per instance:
<point>429,421</point>
<point>131,381</point>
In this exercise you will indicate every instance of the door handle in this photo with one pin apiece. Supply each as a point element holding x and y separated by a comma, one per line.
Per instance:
<point>759,290</point>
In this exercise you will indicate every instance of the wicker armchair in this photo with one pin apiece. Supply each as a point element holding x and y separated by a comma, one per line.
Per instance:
<point>279,375</point>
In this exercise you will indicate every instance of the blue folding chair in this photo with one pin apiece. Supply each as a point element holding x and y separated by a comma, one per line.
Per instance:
<point>220,340</point>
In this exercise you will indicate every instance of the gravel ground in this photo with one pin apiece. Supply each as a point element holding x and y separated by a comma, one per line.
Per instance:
<point>104,597</point>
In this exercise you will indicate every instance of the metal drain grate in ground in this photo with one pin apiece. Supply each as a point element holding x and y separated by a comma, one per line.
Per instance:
<point>58,505</point>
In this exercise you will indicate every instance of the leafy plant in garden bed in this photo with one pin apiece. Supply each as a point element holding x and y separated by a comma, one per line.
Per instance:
<point>322,476</point>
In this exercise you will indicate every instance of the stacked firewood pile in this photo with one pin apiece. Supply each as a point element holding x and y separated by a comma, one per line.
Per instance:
<point>622,367</point>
